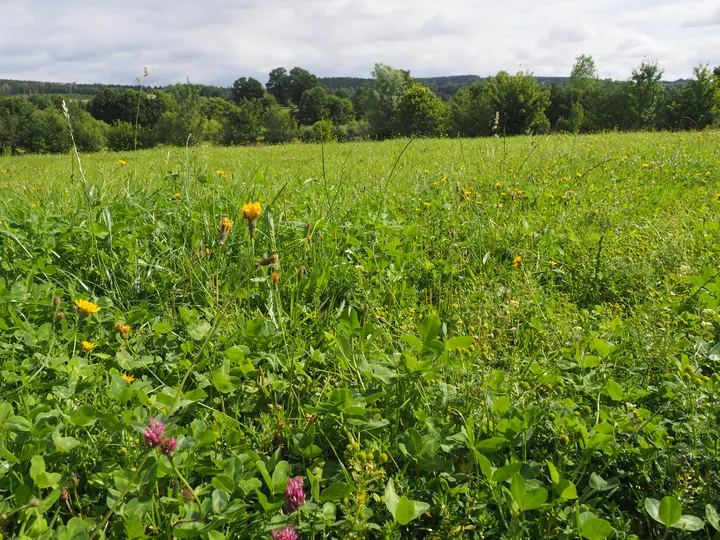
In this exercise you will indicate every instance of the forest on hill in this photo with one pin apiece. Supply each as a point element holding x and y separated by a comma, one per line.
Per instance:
<point>297,104</point>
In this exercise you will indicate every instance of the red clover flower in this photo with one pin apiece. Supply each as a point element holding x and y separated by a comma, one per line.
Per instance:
<point>294,494</point>
<point>286,533</point>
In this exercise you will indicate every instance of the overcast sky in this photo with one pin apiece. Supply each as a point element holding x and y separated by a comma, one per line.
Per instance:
<point>217,41</point>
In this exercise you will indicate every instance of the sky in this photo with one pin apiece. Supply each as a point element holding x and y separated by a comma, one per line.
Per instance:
<point>217,41</point>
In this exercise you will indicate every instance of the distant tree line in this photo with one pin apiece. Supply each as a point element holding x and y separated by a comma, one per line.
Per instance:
<point>296,104</point>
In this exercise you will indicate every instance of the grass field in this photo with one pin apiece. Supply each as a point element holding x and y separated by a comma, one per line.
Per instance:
<point>489,338</point>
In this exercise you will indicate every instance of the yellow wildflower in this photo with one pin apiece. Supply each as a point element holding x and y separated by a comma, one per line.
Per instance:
<point>222,173</point>
<point>2,171</point>
<point>88,346</point>
<point>552,264</point>
<point>124,329</point>
<point>252,210</point>
<point>517,261</point>
<point>128,377</point>
<point>122,162</point>
<point>86,307</point>
<point>427,171</point>
<point>225,226</point>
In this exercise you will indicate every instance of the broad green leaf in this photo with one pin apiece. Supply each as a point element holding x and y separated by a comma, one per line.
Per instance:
<point>712,516</point>
<point>554,475</point>
<point>652,506</point>
<point>503,473</point>
<point>280,476</point>
<point>669,511</point>
<point>614,390</point>
<point>64,444</point>
<point>429,329</point>
<point>534,499</point>
<point>335,492</point>
<point>220,500</point>
<point>596,529</point>
<point>162,328</point>
<point>391,498</point>
<point>566,489</point>
<point>408,510</point>
<point>502,404</point>
<point>459,342</point>
<point>689,523</point>
<point>518,489</point>
<point>199,331</point>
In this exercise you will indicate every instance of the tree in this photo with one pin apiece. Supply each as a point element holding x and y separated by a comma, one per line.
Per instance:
<point>584,87</point>
<point>15,118</point>
<point>385,93</point>
<point>247,89</point>
<point>519,101</point>
<point>647,95</point>
<point>470,112</point>
<point>300,81</point>
<point>341,110</point>
<point>243,124</point>
<point>699,100</point>
<point>420,112</point>
<point>278,85</point>
<point>313,106</point>
<point>279,126</point>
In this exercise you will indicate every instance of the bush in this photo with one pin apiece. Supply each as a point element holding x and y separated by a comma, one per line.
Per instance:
<point>279,126</point>
<point>48,133</point>
<point>89,133</point>
<point>121,137</point>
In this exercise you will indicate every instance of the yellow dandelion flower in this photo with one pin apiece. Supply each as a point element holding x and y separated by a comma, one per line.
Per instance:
<point>579,175</point>
<point>33,205</point>
<point>427,171</point>
<point>2,171</point>
<point>121,162</point>
<point>225,225</point>
<point>88,346</point>
<point>128,377</point>
<point>252,210</point>
<point>498,184</point>
<point>222,173</point>
<point>646,165</point>
<point>86,307</point>
<point>426,203</point>
<point>552,264</point>
<point>517,261</point>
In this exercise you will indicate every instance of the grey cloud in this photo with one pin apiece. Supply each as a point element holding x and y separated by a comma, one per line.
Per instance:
<point>216,41</point>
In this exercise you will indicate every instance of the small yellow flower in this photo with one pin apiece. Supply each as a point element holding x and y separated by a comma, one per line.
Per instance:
<point>128,377</point>
<point>86,307</point>
<point>552,264</point>
<point>124,329</point>
<point>221,173</point>
<point>579,175</point>
<point>88,346</point>
<point>122,162</point>
<point>2,171</point>
<point>427,171</point>
<point>177,195</point>
<point>252,210</point>
<point>646,165</point>
<point>517,261</point>
<point>426,203</point>
<point>225,225</point>
<point>33,205</point>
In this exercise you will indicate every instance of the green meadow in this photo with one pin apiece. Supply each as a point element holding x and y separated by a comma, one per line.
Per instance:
<point>442,338</point>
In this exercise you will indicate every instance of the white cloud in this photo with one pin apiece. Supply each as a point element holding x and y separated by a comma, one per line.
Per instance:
<point>216,41</point>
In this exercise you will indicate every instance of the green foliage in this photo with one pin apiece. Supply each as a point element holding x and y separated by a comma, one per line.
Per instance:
<point>243,124</point>
<point>383,97</point>
<point>247,89</point>
<point>420,112</point>
<point>646,95</point>
<point>484,337</point>
<point>279,126</point>
<point>519,101</point>
<point>313,106</point>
